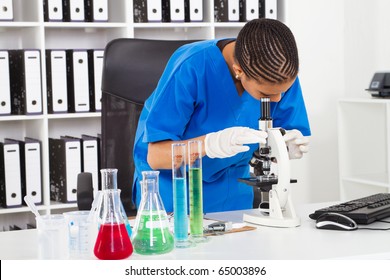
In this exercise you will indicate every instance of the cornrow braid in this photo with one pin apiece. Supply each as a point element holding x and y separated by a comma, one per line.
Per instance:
<point>266,51</point>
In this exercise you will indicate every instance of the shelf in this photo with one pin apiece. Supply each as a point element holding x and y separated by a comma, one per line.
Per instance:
<point>56,205</point>
<point>365,100</point>
<point>17,24</point>
<point>21,117</point>
<point>74,115</point>
<point>28,30</point>
<point>364,146</point>
<point>21,209</point>
<point>379,179</point>
<point>171,24</point>
<point>84,25</point>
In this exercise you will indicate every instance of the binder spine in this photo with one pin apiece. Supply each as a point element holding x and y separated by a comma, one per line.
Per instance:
<point>25,80</point>
<point>140,11</point>
<point>271,9</point>
<point>262,8</point>
<point>5,90</point>
<point>154,11</point>
<point>233,10</point>
<point>17,81</point>
<point>56,81</point>
<point>52,10</point>
<point>165,11</point>
<point>33,169</point>
<point>96,10</point>
<point>46,10</point>
<point>88,8</point>
<point>33,81</point>
<point>91,79</point>
<point>221,11</point>
<point>90,158</point>
<point>57,169</point>
<point>22,169</point>
<point>250,9</point>
<point>187,11</point>
<point>193,10</point>
<point>77,80</point>
<point>11,192</point>
<point>73,10</point>
<point>2,177</point>
<point>70,81</point>
<point>177,10</point>
<point>49,82</point>
<point>95,62</point>
<point>65,164</point>
<point>66,10</point>
<point>6,10</point>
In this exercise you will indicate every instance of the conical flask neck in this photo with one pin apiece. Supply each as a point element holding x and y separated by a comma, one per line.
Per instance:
<point>109,179</point>
<point>112,206</point>
<point>150,182</point>
<point>151,186</point>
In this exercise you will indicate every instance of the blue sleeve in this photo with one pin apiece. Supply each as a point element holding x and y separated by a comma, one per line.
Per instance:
<point>172,105</point>
<point>290,112</point>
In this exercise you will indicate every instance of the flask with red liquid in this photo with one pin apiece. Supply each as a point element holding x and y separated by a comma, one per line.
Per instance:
<point>113,241</point>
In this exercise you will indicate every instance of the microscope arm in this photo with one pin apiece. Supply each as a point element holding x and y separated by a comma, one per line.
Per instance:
<point>280,153</point>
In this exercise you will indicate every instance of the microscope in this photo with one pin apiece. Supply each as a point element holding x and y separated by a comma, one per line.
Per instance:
<point>271,174</point>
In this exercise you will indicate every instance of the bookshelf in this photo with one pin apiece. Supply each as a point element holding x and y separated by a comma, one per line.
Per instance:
<point>29,30</point>
<point>364,147</point>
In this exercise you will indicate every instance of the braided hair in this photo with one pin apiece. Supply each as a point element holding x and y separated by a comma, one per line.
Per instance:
<point>266,51</point>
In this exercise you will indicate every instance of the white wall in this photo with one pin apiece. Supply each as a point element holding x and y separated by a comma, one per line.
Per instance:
<point>367,43</point>
<point>341,44</point>
<point>318,26</point>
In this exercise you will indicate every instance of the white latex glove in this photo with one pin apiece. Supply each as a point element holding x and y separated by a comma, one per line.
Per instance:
<point>297,144</point>
<point>230,141</point>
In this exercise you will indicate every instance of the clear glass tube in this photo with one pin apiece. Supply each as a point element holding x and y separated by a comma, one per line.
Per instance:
<point>179,179</point>
<point>195,190</point>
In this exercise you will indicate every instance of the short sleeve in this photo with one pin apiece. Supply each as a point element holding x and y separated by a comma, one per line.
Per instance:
<point>290,112</point>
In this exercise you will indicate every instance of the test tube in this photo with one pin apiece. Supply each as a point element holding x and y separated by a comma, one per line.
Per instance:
<point>195,189</point>
<point>179,178</point>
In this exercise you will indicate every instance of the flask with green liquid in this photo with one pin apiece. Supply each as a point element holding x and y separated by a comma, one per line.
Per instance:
<point>151,234</point>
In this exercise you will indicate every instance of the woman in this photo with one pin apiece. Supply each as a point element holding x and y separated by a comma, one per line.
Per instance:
<point>210,91</point>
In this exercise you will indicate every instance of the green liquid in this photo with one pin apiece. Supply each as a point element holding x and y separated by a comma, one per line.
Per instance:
<point>153,235</point>
<point>196,202</point>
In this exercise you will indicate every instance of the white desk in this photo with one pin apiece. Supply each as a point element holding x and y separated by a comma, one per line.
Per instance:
<point>266,243</point>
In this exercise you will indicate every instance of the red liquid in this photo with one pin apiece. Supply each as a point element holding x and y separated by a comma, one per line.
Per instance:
<point>113,242</point>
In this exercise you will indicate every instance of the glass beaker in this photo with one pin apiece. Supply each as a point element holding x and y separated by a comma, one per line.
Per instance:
<point>113,241</point>
<point>109,182</point>
<point>151,233</point>
<point>179,179</point>
<point>196,192</point>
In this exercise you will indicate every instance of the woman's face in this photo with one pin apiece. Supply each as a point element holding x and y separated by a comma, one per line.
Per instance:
<point>258,90</point>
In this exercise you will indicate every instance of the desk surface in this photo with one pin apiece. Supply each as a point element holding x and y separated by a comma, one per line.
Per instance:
<point>267,243</point>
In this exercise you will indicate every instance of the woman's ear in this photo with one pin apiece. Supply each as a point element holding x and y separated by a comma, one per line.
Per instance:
<point>237,70</point>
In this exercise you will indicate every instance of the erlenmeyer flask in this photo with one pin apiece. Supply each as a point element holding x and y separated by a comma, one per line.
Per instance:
<point>113,241</point>
<point>110,182</point>
<point>151,232</point>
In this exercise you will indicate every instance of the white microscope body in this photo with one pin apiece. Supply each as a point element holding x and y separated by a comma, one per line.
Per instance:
<point>280,212</point>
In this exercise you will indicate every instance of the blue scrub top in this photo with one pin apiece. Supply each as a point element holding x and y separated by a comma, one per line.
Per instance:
<point>196,95</point>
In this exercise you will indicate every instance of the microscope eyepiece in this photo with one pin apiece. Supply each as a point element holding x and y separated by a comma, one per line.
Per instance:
<point>265,106</point>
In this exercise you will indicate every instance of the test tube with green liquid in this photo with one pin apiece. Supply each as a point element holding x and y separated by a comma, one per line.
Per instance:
<point>195,190</point>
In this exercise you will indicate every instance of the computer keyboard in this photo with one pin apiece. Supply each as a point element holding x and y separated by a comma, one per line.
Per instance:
<point>363,210</point>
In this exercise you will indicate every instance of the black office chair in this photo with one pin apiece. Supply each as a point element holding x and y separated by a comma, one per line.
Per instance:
<point>131,70</point>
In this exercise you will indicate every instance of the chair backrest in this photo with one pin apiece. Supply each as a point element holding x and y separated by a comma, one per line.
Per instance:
<point>131,70</point>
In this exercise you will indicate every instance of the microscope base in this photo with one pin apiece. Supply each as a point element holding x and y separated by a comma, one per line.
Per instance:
<point>278,216</point>
<point>262,220</point>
